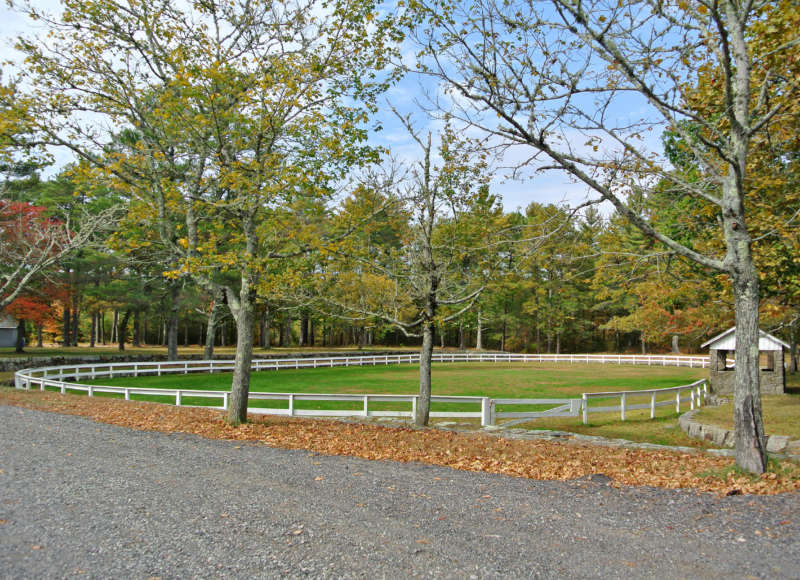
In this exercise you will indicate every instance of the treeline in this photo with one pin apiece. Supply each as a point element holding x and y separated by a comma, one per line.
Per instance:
<point>564,281</point>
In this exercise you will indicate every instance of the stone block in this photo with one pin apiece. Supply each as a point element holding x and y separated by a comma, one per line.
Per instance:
<point>777,443</point>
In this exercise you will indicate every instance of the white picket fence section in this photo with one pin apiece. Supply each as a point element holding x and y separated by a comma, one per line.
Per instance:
<point>698,391</point>
<point>62,377</point>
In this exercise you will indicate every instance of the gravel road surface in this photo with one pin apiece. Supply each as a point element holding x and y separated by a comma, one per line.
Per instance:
<point>88,500</point>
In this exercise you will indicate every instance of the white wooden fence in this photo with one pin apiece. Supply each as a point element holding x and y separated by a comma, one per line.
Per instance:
<point>56,377</point>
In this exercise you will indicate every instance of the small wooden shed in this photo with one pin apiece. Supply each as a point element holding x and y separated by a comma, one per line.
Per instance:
<point>772,373</point>
<point>8,330</point>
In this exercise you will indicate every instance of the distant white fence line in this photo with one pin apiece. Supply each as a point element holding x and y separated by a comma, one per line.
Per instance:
<point>56,377</point>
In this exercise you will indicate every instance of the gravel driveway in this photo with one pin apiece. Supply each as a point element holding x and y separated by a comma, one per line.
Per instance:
<point>82,499</point>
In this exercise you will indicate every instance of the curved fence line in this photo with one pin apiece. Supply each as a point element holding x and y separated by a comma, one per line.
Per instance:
<point>56,377</point>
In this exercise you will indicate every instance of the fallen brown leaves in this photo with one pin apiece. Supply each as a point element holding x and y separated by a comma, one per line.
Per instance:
<point>467,451</point>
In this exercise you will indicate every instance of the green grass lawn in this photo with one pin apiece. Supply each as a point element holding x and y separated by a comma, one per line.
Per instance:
<point>519,380</point>
<point>496,380</point>
<point>781,412</point>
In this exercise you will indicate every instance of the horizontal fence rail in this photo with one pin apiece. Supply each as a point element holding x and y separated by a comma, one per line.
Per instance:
<point>63,379</point>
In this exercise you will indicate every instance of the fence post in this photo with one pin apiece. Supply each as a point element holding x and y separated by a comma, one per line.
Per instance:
<point>486,412</point>
<point>225,401</point>
<point>414,407</point>
<point>691,398</point>
<point>127,394</point>
<point>366,405</point>
<point>678,402</point>
<point>291,405</point>
<point>652,405</point>
<point>585,409</point>
<point>622,406</point>
<point>177,398</point>
<point>91,391</point>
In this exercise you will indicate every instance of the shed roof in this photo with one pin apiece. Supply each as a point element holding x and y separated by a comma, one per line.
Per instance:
<point>727,341</point>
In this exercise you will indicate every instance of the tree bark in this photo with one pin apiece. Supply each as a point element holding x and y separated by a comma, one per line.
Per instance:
<point>304,330</point>
<point>675,347</point>
<point>644,343</point>
<point>39,339</point>
<point>137,324</point>
<point>19,347</point>
<point>425,355</point>
<point>122,329</point>
<point>244,315</point>
<point>172,326</point>
<point>66,327</point>
<point>75,319</point>
<point>793,352</point>
<point>211,328</point>
<point>479,337</point>
<point>115,327</point>
<point>751,451</point>
<point>93,332</point>
<point>287,333</point>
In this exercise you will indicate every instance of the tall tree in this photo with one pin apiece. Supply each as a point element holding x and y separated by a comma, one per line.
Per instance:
<point>563,77</point>
<point>435,267</point>
<point>242,115</point>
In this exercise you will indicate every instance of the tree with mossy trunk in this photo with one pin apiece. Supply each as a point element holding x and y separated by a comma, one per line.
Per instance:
<point>582,84</point>
<point>240,115</point>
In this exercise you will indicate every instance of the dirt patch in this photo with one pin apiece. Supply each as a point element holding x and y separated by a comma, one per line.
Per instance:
<point>468,451</point>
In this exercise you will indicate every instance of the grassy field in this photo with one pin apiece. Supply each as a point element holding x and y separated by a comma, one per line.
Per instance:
<point>470,379</point>
<point>473,379</point>
<point>781,412</point>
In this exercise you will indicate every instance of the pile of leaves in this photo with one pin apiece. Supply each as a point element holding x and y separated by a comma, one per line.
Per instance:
<point>544,460</point>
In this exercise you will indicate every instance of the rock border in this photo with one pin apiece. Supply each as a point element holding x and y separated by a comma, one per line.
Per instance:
<point>777,444</point>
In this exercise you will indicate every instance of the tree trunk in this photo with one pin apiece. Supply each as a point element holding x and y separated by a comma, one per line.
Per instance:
<point>66,341</point>
<point>75,319</point>
<point>137,324</point>
<point>115,327</point>
<point>39,341</point>
<point>479,337</point>
<point>172,326</point>
<point>103,327</point>
<point>211,329</point>
<point>19,347</point>
<point>558,343</point>
<point>93,333</point>
<point>186,333</point>
<point>503,336</point>
<point>266,320</point>
<point>287,334</point>
<point>644,343</point>
<point>675,347</point>
<point>304,330</point>
<point>425,355</point>
<point>244,315</point>
<point>751,451</point>
<point>793,352</point>
<point>312,329</point>
<point>462,345</point>
<point>122,329</point>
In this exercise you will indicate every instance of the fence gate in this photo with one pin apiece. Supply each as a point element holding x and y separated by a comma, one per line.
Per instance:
<point>563,408</point>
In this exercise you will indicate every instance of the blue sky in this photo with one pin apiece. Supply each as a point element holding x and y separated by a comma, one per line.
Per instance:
<point>549,187</point>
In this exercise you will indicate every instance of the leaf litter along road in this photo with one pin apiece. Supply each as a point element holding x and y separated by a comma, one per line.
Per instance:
<point>544,460</point>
